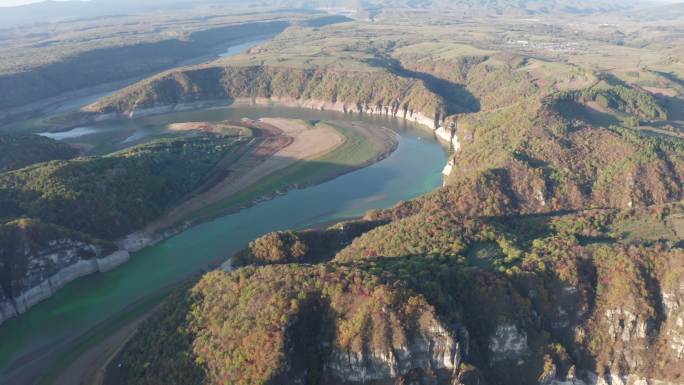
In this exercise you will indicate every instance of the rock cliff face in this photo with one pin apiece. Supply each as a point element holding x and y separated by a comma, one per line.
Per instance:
<point>38,259</point>
<point>433,349</point>
<point>593,301</point>
<point>447,133</point>
<point>673,304</point>
<point>36,290</point>
<point>508,343</point>
<point>373,92</point>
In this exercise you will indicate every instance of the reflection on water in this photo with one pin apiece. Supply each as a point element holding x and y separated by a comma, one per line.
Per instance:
<point>71,134</point>
<point>240,48</point>
<point>138,136</point>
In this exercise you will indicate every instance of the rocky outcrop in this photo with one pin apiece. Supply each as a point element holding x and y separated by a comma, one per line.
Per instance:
<point>446,171</point>
<point>673,303</point>
<point>375,92</point>
<point>49,272</point>
<point>508,343</point>
<point>139,240</point>
<point>447,133</point>
<point>37,259</point>
<point>316,104</point>
<point>591,378</point>
<point>392,110</point>
<point>432,349</point>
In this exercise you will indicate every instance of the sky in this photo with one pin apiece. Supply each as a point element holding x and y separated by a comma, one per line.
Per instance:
<point>11,3</point>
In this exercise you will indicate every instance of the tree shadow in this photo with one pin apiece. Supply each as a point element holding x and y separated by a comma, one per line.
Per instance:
<point>457,98</point>
<point>572,110</point>
<point>674,107</point>
<point>670,76</point>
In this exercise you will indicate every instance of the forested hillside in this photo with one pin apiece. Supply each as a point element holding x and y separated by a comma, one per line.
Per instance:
<point>552,255</point>
<point>379,91</point>
<point>114,195</point>
<point>17,151</point>
<point>523,146</point>
<point>435,298</point>
<point>28,78</point>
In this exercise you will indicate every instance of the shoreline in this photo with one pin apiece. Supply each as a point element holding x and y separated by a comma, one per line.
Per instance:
<point>84,117</point>
<point>53,360</point>
<point>109,345</point>
<point>90,366</point>
<point>139,240</point>
<point>42,109</point>
<point>136,241</point>
<point>15,307</point>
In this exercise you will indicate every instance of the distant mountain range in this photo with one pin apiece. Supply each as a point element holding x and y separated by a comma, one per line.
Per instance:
<point>54,11</point>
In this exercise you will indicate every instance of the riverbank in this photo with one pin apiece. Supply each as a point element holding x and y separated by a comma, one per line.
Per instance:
<point>309,162</point>
<point>284,143</point>
<point>91,365</point>
<point>315,155</point>
<point>84,117</point>
<point>41,114</point>
<point>361,146</point>
<point>17,306</point>
<point>286,154</point>
<point>86,361</point>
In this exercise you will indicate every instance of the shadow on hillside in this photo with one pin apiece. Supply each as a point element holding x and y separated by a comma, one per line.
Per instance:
<point>572,110</point>
<point>674,107</point>
<point>671,77</point>
<point>457,98</point>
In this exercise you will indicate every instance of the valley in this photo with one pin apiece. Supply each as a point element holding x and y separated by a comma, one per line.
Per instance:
<point>250,193</point>
<point>220,167</point>
<point>361,190</point>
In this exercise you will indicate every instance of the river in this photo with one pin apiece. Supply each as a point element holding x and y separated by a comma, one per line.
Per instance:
<point>77,99</point>
<point>35,340</point>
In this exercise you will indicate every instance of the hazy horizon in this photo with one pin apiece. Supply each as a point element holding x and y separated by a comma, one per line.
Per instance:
<point>15,3</point>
